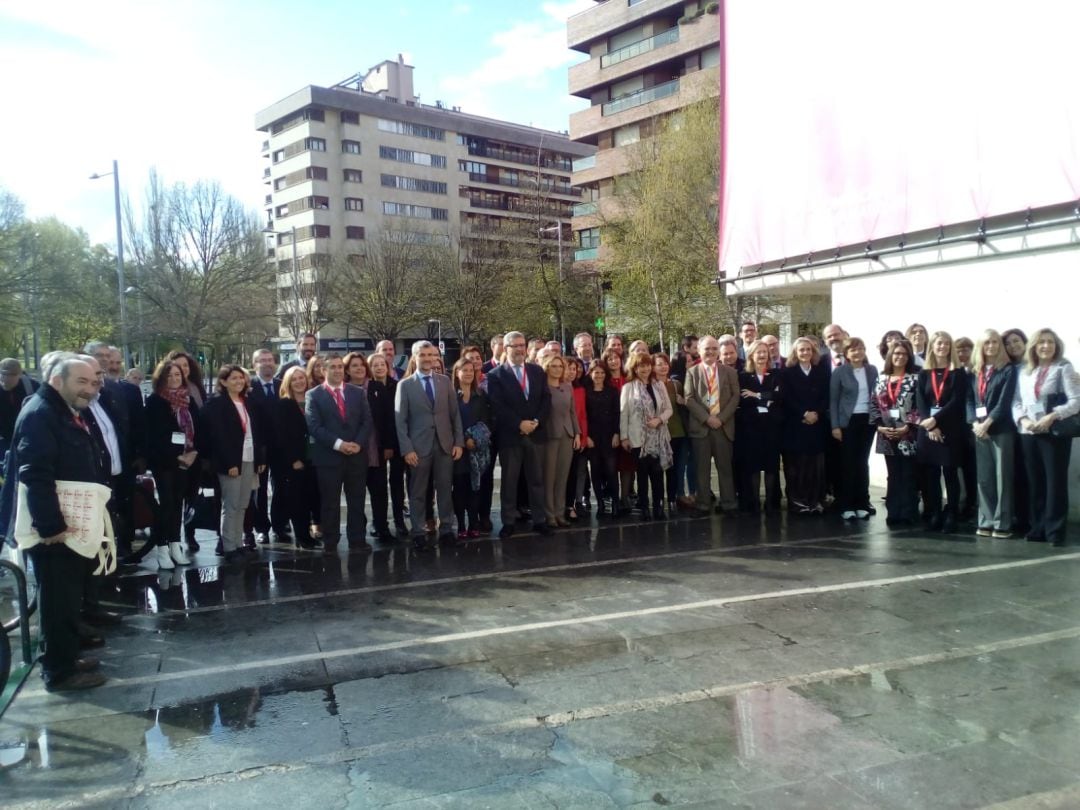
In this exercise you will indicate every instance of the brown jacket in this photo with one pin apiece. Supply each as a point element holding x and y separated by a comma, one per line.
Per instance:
<point>696,390</point>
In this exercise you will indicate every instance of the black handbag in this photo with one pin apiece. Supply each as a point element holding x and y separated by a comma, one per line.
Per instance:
<point>927,451</point>
<point>1067,428</point>
<point>205,512</point>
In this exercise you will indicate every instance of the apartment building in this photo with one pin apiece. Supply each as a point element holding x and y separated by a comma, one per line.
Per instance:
<point>647,59</point>
<point>348,162</point>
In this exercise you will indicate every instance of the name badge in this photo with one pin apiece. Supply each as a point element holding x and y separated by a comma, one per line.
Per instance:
<point>980,412</point>
<point>178,438</point>
<point>935,411</point>
<point>894,413</point>
<point>762,408</point>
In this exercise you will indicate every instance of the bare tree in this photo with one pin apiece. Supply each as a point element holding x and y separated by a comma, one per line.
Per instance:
<point>201,269</point>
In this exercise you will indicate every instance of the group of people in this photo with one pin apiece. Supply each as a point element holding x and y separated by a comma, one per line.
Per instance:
<point>282,447</point>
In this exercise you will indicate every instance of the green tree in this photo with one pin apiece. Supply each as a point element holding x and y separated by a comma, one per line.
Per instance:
<point>660,229</point>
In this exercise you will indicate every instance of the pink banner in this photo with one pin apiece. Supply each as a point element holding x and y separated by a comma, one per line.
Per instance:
<point>847,121</point>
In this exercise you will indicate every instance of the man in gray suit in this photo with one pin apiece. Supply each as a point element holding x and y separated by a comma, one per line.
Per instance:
<point>431,440</point>
<point>339,424</point>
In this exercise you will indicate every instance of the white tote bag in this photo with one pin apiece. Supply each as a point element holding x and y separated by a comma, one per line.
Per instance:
<point>90,529</point>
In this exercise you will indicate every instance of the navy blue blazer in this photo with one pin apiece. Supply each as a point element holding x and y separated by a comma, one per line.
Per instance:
<point>510,406</point>
<point>326,427</point>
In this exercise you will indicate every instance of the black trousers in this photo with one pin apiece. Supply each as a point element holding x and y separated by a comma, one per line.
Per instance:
<point>261,505</point>
<point>649,474</point>
<point>61,576</point>
<point>173,488</point>
<point>350,476</point>
<point>750,490</point>
<point>279,504</point>
<point>853,480</point>
<point>466,501</point>
<point>396,469</point>
<point>804,475</point>
<point>296,493</point>
<point>933,505</point>
<point>602,471</point>
<point>521,462</point>
<point>379,495</point>
<point>1047,461</point>
<point>902,489</point>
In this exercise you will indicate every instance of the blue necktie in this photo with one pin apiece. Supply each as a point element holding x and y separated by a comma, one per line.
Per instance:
<point>430,391</point>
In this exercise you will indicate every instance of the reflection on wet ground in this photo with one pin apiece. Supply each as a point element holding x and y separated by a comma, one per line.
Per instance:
<point>721,663</point>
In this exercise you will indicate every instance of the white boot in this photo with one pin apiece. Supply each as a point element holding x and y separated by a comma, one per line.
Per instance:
<point>164,561</point>
<point>176,551</point>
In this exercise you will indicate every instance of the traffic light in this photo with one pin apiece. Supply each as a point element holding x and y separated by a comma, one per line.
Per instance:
<point>599,323</point>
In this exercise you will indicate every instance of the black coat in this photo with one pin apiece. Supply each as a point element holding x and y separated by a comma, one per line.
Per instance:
<point>602,414</point>
<point>116,411</point>
<point>49,446</point>
<point>222,433</point>
<point>161,453</point>
<point>952,417</point>
<point>802,393</point>
<point>757,435</point>
<point>134,413</point>
<point>380,397</point>
<point>290,432</point>
<point>1000,390</point>
<point>511,408</point>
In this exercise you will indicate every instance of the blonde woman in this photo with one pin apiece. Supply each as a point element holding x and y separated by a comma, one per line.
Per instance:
<point>989,410</point>
<point>804,382</point>
<point>1047,391</point>
<point>562,437</point>
<point>941,400</point>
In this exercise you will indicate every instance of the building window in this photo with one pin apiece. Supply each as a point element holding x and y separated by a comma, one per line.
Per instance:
<point>350,117</point>
<point>415,130</point>
<point>409,156</point>
<point>354,204</point>
<point>589,237</point>
<point>312,232</point>
<point>354,232</point>
<point>353,176</point>
<point>350,147</point>
<point>415,211</point>
<point>316,144</point>
<point>472,166</point>
<point>412,184</point>
<point>310,114</point>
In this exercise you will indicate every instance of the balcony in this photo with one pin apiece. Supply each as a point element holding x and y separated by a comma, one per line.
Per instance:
<point>514,156</point>
<point>585,208</point>
<point>640,47</point>
<point>265,147</point>
<point>632,100</point>
<point>586,254</point>
<point>269,199</point>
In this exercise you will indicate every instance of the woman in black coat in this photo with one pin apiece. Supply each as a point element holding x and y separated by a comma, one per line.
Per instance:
<point>805,383</point>
<point>393,465</point>
<point>602,415</point>
<point>475,409</point>
<point>289,457</point>
<point>383,445</point>
<point>234,439</point>
<point>941,399</point>
<point>758,425</point>
<point>172,433</point>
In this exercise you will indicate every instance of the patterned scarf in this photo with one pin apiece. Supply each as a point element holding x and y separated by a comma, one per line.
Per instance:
<point>655,441</point>
<point>178,399</point>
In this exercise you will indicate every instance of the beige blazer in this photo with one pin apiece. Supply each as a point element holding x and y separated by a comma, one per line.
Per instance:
<point>696,391</point>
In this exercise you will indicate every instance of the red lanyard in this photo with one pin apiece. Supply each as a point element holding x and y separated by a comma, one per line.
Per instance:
<point>894,394</point>
<point>984,381</point>
<point>241,411</point>
<point>1040,378</point>
<point>938,389</point>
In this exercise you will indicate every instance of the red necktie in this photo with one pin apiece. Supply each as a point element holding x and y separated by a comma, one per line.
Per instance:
<point>340,400</point>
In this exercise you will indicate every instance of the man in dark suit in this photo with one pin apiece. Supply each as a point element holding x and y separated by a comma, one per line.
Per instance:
<point>264,390</point>
<point>428,422</point>
<point>386,349</point>
<point>339,423</point>
<point>497,349</point>
<point>305,350</point>
<point>519,395</point>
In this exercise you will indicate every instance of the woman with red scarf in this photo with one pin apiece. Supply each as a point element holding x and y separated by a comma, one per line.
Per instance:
<point>171,419</point>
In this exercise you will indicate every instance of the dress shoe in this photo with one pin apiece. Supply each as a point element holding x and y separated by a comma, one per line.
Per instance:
<point>562,522</point>
<point>99,617</point>
<point>90,641</point>
<point>447,538</point>
<point>163,558</point>
<point>235,557</point>
<point>176,551</point>
<point>420,543</point>
<point>76,681</point>
<point>262,538</point>
<point>1001,535</point>
<point>506,532</point>
<point>702,511</point>
<point>1035,537</point>
<point>948,525</point>
<point>862,514</point>
<point>485,525</point>
<point>936,522</point>
<point>544,529</point>
<point>219,549</point>
<point>249,539</point>
<point>308,544</point>
<point>361,546</point>
<point>870,509</point>
<point>330,549</point>
<point>658,513</point>
<point>984,532</point>
<point>87,664</point>
<point>192,546</point>
<point>429,525</point>
<point>473,534</point>
<point>847,514</point>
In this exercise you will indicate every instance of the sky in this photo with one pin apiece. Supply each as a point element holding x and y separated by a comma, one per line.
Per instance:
<point>175,85</point>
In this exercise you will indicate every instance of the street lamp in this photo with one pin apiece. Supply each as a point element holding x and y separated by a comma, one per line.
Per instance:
<point>120,285</point>
<point>557,228</point>
<point>296,279</point>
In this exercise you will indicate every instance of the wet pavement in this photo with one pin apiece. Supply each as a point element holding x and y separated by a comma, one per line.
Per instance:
<point>718,663</point>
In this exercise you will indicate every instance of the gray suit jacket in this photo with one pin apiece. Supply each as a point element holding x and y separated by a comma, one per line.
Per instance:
<point>419,423</point>
<point>696,392</point>
<point>844,391</point>
<point>325,425</point>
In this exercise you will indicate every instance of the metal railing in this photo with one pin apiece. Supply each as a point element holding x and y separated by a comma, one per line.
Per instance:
<point>632,100</point>
<point>581,164</point>
<point>585,254</point>
<point>640,47</point>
